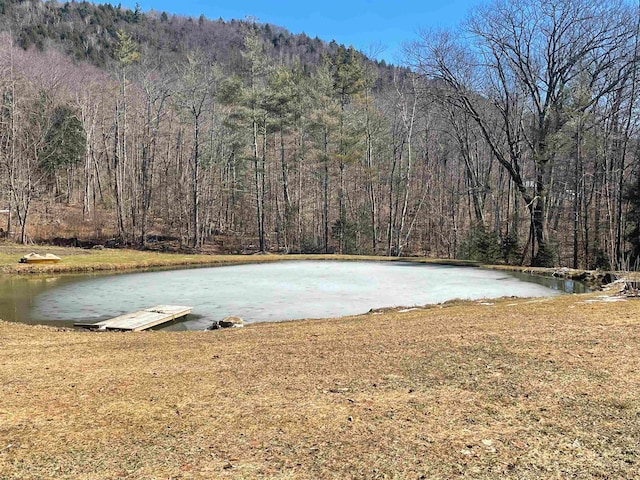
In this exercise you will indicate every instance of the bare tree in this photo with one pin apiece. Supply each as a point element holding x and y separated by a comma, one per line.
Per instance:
<point>519,58</point>
<point>195,97</point>
<point>156,86</point>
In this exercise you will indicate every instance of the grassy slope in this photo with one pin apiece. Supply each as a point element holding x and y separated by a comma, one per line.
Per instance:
<point>511,389</point>
<point>516,389</point>
<point>79,260</point>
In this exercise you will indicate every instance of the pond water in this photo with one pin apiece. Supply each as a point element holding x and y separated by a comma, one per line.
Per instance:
<point>261,292</point>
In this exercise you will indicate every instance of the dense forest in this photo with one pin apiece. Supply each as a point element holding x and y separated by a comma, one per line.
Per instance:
<point>513,138</point>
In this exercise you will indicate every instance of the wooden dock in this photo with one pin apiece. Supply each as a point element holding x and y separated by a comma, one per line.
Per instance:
<point>140,320</point>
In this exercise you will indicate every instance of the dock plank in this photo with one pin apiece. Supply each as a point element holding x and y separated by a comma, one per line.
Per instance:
<point>142,319</point>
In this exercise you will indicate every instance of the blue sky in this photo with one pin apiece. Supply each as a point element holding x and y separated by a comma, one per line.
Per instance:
<point>368,25</point>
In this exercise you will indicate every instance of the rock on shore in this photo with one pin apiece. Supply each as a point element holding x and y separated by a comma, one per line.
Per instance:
<point>228,322</point>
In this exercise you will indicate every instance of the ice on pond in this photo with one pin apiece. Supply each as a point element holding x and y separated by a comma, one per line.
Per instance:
<point>280,291</point>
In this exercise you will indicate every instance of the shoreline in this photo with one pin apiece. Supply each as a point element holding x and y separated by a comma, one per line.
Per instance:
<point>77,260</point>
<point>87,262</point>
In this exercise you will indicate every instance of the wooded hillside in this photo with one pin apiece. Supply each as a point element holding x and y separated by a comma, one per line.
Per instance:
<point>512,139</point>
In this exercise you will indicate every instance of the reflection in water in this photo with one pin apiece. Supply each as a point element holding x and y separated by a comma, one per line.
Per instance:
<point>561,284</point>
<point>262,292</point>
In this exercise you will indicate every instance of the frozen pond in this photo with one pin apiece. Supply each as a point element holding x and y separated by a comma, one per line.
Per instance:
<point>261,292</point>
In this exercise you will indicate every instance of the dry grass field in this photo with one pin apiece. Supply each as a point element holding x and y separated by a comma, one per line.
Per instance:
<point>514,388</point>
<point>90,260</point>
<point>83,260</point>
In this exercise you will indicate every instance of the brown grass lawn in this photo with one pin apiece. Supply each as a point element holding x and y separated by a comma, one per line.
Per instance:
<point>521,389</point>
<point>84,260</point>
